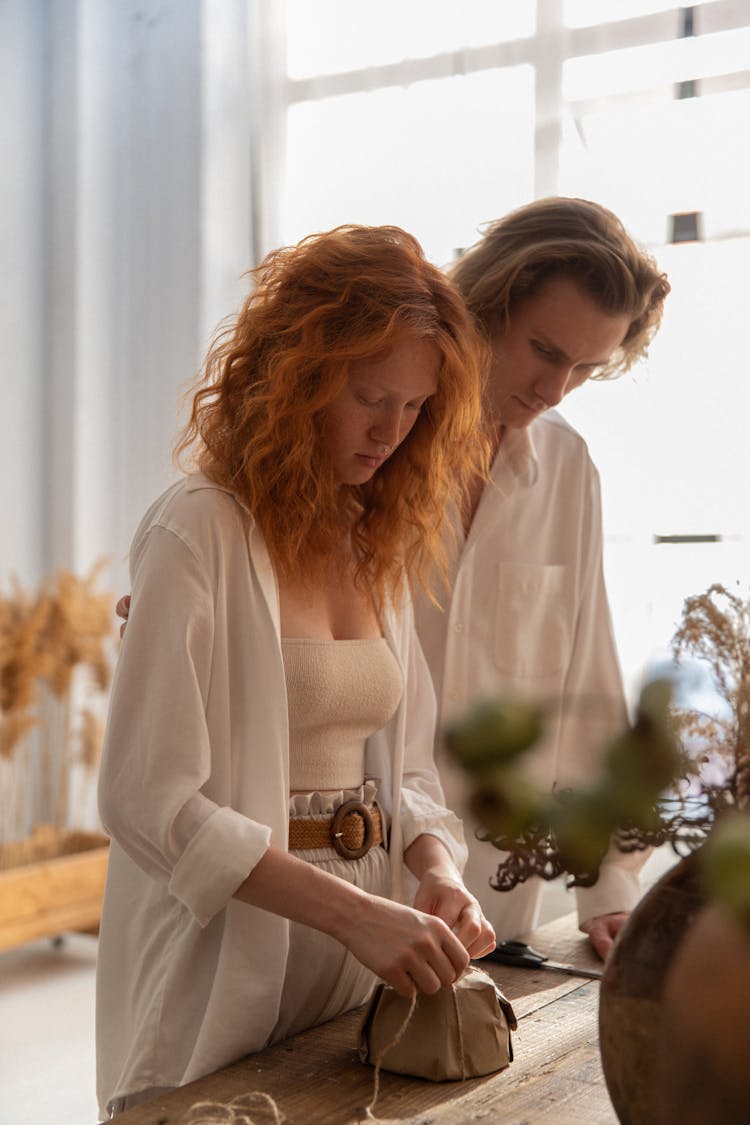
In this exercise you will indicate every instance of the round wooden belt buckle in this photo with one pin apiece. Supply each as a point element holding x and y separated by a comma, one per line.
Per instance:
<point>337,829</point>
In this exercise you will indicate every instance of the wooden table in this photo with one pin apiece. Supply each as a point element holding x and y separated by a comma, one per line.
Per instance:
<point>316,1077</point>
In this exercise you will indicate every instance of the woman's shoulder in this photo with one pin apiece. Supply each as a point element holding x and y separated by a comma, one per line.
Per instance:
<point>197,511</point>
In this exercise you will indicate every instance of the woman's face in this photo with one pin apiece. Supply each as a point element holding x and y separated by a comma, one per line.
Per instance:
<point>378,406</point>
<point>557,339</point>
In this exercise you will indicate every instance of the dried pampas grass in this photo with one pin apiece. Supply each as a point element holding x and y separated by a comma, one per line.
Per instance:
<point>21,660</point>
<point>76,623</point>
<point>56,654</point>
<point>715,628</point>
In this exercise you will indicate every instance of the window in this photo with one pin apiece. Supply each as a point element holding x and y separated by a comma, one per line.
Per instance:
<point>440,117</point>
<point>416,156</point>
<point>333,36</point>
<point>398,113</point>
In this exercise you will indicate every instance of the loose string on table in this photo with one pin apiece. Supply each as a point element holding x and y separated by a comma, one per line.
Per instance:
<point>236,1112</point>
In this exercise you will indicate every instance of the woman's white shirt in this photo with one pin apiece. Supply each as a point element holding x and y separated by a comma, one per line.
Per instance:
<point>194,786</point>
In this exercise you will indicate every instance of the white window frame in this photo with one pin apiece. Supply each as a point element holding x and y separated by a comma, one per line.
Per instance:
<point>547,51</point>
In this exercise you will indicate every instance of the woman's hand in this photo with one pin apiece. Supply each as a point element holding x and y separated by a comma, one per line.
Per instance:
<point>447,898</point>
<point>442,894</point>
<point>403,945</point>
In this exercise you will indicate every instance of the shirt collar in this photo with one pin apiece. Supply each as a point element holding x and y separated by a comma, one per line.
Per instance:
<point>198,480</point>
<point>518,455</point>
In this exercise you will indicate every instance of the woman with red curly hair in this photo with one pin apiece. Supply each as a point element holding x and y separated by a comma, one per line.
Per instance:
<point>267,779</point>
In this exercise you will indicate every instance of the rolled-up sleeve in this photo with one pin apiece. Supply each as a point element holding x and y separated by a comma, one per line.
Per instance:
<point>217,858</point>
<point>158,758</point>
<point>616,890</point>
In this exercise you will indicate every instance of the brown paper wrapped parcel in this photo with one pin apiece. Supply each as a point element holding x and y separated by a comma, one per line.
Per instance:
<point>459,1032</point>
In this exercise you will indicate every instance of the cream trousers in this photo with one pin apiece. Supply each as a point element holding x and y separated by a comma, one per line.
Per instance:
<point>323,979</point>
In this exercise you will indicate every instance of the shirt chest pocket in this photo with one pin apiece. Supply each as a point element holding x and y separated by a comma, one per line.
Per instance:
<point>532,635</point>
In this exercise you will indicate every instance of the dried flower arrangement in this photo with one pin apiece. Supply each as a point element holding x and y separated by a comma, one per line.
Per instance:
<point>55,665</point>
<point>715,628</point>
<point>652,789</point>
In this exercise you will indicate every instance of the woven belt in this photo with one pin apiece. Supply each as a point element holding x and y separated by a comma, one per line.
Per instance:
<point>352,830</point>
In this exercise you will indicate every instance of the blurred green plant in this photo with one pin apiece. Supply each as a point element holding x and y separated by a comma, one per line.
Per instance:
<point>569,830</point>
<point>649,791</point>
<point>725,865</point>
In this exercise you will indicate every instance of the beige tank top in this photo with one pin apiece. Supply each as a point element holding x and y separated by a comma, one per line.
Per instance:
<point>339,693</point>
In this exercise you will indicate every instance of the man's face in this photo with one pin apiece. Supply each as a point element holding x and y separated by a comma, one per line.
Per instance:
<point>557,339</point>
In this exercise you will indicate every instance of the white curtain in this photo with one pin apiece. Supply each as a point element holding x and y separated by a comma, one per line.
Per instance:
<point>126,209</point>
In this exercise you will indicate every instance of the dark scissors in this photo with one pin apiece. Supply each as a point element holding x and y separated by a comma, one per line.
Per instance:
<point>522,956</point>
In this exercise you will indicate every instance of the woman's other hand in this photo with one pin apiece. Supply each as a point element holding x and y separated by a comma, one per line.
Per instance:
<point>442,894</point>
<point>447,898</point>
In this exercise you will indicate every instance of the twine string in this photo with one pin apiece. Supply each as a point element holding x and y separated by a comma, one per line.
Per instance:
<point>460,1029</point>
<point>236,1112</point>
<point>369,1109</point>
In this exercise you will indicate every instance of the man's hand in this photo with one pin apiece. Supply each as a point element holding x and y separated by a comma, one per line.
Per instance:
<point>122,609</point>
<point>603,930</point>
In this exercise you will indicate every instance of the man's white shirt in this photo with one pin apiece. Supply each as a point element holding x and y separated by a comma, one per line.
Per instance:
<point>528,615</point>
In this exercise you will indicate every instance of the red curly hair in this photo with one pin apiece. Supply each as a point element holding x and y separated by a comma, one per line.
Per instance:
<point>257,419</point>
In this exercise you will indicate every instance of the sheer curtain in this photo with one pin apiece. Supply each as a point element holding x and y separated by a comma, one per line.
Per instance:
<point>127,225</point>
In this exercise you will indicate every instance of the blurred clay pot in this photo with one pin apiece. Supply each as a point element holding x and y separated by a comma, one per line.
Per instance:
<point>631,1000</point>
<point>703,1071</point>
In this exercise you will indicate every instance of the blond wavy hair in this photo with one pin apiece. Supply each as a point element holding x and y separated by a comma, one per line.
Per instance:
<point>571,238</point>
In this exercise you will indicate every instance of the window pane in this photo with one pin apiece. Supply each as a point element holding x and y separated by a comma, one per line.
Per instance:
<point>654,159</point>
<point>587,13</point>
<point>437,158</point>
<point>656,64</point>
<point>670,441</point>
<point>328,36</point>
<point>686,409</point>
